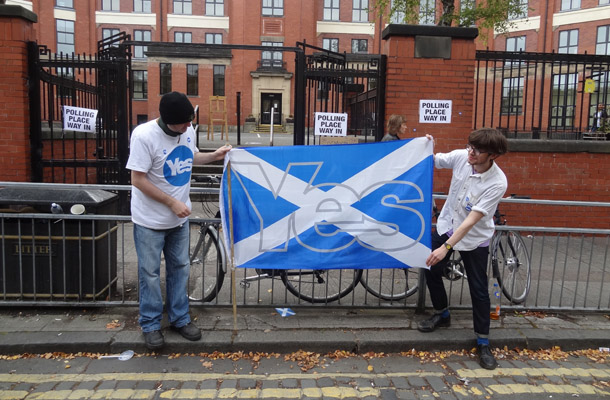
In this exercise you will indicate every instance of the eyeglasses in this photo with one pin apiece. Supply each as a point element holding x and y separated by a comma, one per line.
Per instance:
<point>474,150</point>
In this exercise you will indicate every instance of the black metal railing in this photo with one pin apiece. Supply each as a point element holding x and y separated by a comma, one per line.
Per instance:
<point>539,95</point>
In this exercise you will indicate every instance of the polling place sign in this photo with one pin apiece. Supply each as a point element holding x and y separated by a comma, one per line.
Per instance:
<point>435,111</point>
<point>79,119</point>
<point>330,124</point>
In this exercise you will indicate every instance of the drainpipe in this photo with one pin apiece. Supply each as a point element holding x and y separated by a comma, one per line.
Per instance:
<point>161,20</point>
<point>546,23</point>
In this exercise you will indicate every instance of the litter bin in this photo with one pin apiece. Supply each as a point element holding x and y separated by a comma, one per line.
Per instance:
<point>46,258</point>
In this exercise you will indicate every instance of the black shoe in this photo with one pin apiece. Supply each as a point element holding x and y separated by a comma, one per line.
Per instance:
<point>154,340</point>
<point>486,358</point>
<point>189,331</point>
<point>430,324</point>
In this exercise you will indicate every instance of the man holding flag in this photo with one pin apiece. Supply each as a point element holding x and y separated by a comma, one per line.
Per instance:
<point>466,224</point>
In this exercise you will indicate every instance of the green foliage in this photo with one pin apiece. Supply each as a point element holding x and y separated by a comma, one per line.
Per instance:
<point>483,14</point>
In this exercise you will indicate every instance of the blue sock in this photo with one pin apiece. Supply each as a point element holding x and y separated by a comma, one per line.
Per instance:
<point>482,341</point>
<point>445,314</point>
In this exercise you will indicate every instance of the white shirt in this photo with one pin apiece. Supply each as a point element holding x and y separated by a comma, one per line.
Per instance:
<point>168,163</point>
<point>470,191</point>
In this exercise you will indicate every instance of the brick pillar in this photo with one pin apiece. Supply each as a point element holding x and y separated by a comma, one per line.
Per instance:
<point>431,63</point>
<point>16,30</point>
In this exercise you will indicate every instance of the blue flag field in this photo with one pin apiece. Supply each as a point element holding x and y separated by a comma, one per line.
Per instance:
<point>324,207</point>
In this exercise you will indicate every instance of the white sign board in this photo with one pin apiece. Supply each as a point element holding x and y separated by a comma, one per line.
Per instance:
<point>79,119</point>
<point>330,124</point>
<point>435,111</point>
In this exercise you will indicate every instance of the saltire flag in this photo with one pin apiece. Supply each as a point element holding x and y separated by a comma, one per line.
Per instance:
<point>326,207</point>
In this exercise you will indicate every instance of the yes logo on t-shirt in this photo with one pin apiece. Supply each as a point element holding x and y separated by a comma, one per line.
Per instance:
<point>178,166</point>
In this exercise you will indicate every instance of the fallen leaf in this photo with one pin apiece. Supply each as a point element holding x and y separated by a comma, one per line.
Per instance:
<point>113,325</point>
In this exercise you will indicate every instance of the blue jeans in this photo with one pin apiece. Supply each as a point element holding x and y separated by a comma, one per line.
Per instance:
<point>475,264</point>
<point>174,243</point>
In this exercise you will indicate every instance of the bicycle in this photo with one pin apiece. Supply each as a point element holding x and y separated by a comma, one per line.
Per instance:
<point>313,286</point>
<point>510,262</point>
<point>204,284</point>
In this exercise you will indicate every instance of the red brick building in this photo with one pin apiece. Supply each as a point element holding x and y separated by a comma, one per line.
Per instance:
<point>265,78</point>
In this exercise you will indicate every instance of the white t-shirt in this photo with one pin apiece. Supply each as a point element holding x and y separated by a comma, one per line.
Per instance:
<point>469,191</point>
<point>168,163</point>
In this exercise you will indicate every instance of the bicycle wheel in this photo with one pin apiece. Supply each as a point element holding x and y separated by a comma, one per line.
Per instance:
<point>512,268</point>
<point>321,285</point>
<point>390,284</point>
<point>207,269</point>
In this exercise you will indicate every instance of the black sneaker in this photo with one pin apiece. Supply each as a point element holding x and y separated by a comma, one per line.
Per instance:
<point>154,340</point>
<point>486,358</point>
<point>430,324</point>
<point>189,331</point>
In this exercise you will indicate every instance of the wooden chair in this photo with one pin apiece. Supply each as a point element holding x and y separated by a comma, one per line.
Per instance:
<point>218,114</point>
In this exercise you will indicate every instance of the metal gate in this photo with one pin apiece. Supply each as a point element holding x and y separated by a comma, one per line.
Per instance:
<point>327,81</point>
<point>97,82</point>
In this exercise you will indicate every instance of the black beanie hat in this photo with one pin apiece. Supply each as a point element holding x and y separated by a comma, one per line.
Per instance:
<point>175,108</point>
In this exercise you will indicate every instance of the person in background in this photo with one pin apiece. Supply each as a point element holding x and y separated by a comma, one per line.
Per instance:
<point>466,224</point>
<point>599,117</point>
<point>162,154</point>
<point>397,125</point>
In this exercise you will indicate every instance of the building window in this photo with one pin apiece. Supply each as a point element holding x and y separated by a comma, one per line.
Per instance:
<point>219,81</point>
<point>570,5</point>
<point>466,7</point>
<point>331,10</point>
<point>183,37</point>
<point>602,43</point>
<point>512,96</point>
<point>141,118</point>
<point>142,6</point>
<point>111,5</point>
<point>360,10</point>
<point>64,3</point>
<point>215,8</point>
<point>64,91</point>
<point>604,2</point>
<point>521,12</point>
<point>563,100</point>
<point>331,44</point>
<point>108,32</point>
<point>273,8</point>
<point>272,58</point>
<point>140,36</point>
<point>165,73</point>
<point>568,42</point>
<point>516,43</point>
<point>192,79</point>
<point>213,38</point>
<point>427,12</point>
<point>65,36</point>
<point>398,17</point>
<point>360,46</point>
<point>183,7</point>
<point>140,85</point>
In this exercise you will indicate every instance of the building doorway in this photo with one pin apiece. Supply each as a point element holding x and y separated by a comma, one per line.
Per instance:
<point>269,100</point>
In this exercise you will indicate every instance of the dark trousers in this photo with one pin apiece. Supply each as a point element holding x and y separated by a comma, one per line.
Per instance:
<point>475,264</point>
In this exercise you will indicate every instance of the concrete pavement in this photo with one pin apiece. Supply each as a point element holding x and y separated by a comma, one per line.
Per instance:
<point>112,330</point>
